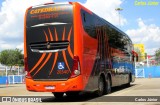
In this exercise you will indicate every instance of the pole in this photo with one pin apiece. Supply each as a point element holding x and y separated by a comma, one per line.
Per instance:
<point>6,77</point>
<point>119,19</point>
<point>18,70</point>
<point>6,71</point>
<point>119,9</point>
<point>147,62</point>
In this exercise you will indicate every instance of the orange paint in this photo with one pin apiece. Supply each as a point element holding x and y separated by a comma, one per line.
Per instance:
<point>54,62</point>
<point>69,85</point>
<point>25,45</point>
<point>63,36</point>
<point>50,34</point>
<point>65,59</point>
<point>38,63</point>
<point>43,63</point>
<point>69,47</point>
<point>45,35</point>
<point>56,34</point>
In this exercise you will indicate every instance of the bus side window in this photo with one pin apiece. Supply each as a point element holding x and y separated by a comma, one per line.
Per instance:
<point>84,17</point>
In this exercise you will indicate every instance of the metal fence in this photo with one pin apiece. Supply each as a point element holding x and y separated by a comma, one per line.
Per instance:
<point>15,79</point>
<point>5,71</point>
<point>148,72</point>
<point>12,79</point>
<point>12,75</point>
<point>3,79</point>
<point>139,73</point>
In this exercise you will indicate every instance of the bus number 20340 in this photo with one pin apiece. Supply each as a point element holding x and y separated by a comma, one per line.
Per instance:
<point>62,71</point>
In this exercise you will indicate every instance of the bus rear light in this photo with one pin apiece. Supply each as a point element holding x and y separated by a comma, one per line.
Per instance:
<point>70,3</point>
<point>28,75</point>
<point>76,67</point>
<point>26,69</point>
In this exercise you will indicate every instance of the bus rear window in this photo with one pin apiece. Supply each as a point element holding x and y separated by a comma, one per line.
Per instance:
<point>49,15</point>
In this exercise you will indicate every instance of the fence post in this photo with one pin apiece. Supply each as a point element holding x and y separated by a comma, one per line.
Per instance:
<point>13,79</point>
<point>18,70</point>
<point>143,74</point>
<point>6,70</point>
<point>149,75</point>
<point>6,82</point>
<point>136,73</point>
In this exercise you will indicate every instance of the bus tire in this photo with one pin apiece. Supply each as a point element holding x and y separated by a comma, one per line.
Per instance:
<point>72,94</point>
<point>108,85</point>
<point>58,94</point>
<point>128,84</point>
<point>101,86</point>
<point>129,81</point>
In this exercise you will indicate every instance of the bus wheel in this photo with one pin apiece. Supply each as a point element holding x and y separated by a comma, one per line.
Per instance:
<point>100,87</point>
<point>108,85</point>
<point>129,81</point>
<point>128,84</point>
<point>58,94</point>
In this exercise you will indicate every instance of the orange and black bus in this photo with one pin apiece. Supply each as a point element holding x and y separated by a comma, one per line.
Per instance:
<point>69,49</point>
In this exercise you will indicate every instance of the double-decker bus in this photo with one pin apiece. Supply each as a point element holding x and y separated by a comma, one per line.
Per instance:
<point>69,49</point>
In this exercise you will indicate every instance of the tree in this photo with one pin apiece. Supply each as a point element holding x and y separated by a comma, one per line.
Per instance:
<point>157,55</point>
<point>11,57</point>
<point>137,50</point>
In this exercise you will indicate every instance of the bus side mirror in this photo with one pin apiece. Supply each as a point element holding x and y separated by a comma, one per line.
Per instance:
<point>136,58</point>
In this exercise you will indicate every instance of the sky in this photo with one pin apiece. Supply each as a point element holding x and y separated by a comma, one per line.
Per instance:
<point>138,19</point>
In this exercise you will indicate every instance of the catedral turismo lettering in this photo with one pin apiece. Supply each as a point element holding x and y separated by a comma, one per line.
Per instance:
<point>44,10</point>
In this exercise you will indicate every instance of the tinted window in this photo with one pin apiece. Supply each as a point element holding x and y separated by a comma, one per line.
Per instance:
<point>89,24</point>
<point>50,14</point>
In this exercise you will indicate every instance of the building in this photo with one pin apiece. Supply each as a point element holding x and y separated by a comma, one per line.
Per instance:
<point>140,49</point>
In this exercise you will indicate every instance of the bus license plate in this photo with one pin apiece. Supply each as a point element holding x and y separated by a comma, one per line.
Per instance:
<point>50,87</point>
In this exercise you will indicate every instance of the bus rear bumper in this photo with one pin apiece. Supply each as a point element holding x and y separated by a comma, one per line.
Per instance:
<point>73,84</point>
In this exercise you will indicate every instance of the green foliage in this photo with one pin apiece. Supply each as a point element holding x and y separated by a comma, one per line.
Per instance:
<point>145,55</point>
<point>137,50</point>
<point>11,57</point>
<point>157,55</point>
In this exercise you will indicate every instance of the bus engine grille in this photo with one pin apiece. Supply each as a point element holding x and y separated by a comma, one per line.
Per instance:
<point>47,47</point>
